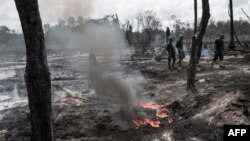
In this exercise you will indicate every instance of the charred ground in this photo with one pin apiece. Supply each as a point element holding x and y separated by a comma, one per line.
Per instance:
<point>80,114</point>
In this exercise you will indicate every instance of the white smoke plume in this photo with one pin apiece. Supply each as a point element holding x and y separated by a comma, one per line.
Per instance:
<point>104,46</point>
<point>101,40</point>
<point>54,9</point>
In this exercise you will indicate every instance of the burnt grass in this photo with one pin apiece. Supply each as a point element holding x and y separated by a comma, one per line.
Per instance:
<point>223,97</point>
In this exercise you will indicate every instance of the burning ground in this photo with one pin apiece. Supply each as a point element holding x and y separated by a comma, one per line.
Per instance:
<point>162,109</point>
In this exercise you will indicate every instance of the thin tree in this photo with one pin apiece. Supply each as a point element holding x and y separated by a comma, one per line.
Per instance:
<point>245,13</point>
<point>196,44</point>
<point>37,75</point>
<point>195,16</point>
<point>129,31</point>
<point>195,28</point>
<point>167,34</point>
<point>248,17</point>
<point>231,14</point>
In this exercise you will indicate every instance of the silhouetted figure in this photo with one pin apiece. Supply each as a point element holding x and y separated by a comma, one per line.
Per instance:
<point>179,46</point>
<point>219,51</point>
<point>171,54</point>
<point>160,56</point>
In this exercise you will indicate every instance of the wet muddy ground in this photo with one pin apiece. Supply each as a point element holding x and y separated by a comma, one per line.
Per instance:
<point>79,114</point>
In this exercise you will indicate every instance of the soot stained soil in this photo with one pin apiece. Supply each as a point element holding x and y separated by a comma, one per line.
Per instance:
<point>79,114</point>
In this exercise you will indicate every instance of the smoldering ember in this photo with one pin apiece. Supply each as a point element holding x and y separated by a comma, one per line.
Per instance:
<point>149,78</point>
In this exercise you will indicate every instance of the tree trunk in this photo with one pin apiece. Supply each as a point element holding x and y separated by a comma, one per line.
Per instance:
<point>129,38</point>
<point>37,75</point>
<point>231,14</point>
<point>192,66</point>
<point>195,16</point>
<point>203,26</point>
<point>167,34</point>
<point>197,44</point>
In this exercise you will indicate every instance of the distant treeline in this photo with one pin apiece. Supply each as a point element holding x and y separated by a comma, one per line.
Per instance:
<point>67,33</point>
<point>10,40</point>
<point>57,36</point>
<point>148,29</point>
<point>216,28</point>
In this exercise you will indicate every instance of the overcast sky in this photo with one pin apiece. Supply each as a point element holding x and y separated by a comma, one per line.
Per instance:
<point>51,10</point>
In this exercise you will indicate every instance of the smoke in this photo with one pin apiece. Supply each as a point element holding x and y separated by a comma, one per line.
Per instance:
<point>99,39</point>
<point>54,9</point>
<point>206,52</point>
<point>102,40</point>
<point>104,44</point>
<point>76,7</point>
<point>113,86</point>
<point>123,91</point>
<point>118,91</point>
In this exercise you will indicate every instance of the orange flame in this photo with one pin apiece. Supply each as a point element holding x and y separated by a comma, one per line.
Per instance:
<point>146,121</point>
<point>150,105</point>
<point>161,112</point>
<point>170,120</point>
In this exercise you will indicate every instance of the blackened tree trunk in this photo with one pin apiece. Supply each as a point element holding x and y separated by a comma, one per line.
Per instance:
<point>129,38</point>
<point>231,14</point>
<point>195,16</point>
<point>203,26</point>
<point>195,29</point>
<point>167,34</point>
<point>197,44</point>
<point>37,75</point>
<point>192,66</point>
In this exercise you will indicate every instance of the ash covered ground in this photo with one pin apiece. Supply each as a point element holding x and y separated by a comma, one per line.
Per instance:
<point>80,114</point>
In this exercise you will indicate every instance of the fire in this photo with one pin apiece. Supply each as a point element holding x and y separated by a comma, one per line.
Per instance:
<point>146,121</point>
<point>150,105</point>
<point>162,111</point>
<point>170,120</point>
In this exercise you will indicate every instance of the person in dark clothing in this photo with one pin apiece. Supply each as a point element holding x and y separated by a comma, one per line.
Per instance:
<point>179,46</point>
<point>219,51</point>
<point>171,54</point>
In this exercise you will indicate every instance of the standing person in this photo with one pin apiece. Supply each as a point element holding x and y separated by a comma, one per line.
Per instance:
<point>219,51</point>
<point>171,54</point>
<point>179,46</point>
<point>160,57</point>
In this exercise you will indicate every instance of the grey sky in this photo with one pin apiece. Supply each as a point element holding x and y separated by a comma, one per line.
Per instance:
<point>51,10</point>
